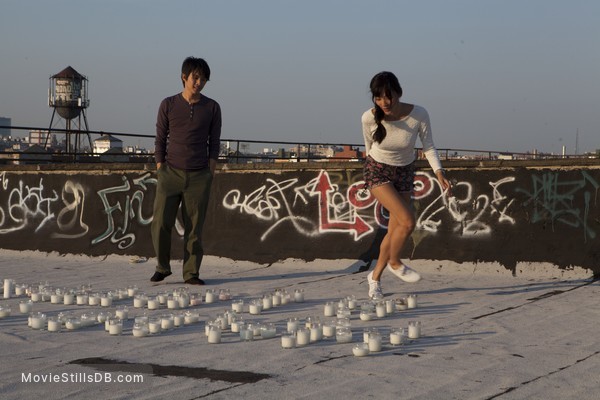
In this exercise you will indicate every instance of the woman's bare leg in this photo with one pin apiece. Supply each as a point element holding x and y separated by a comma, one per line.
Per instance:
<point>401,225</point>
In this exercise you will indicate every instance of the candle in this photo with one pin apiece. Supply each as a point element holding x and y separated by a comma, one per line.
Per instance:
<point>5,311</point>
<point>178,319</point>
<point>224,294</point>
<point>101,317</point>
<point>351,300</point>
<point>316,332</point>
<point>268,331</point>
<point>292,324</point>
<point>195,299</point>
<point>73,323</point>
<point>222,321</point>
<point>255,328</point>
<point>343,335</point>
<point>106,300</point>
<point>162,298</point>
<point>88,319</point>
<point>236,325</point>
<point>401,304</point>
<point>245,333</point>
<point>276,300</point>
<point>209,296</point>
<point>366,315</point>
<point>389,307</point>
<point>360,350</point>
<point>172,303</point>
<point>238,306</point>
<point>288,341</point>
<point>299,296</point>
<point>132,291</point>
<point>141,319</point>
<point>414,329</point>
<point>115,326</point>
<point>184,300</point>
<point>94,299</point>
<point>154,325</point>
<point>140,329</point>
<point>68,299</point>
<point>54,325</point>
<point>411,301</point>
<point>140,300</point>
<point>285,297</point>
<point>82,299</point>
<point>329,330</point>
<point>25,306</point>
<point>122,312</point>
<point>302,336</point>
<point>191,317</point>
<point>255,307</point>
<point>214,334</point>
<point>374,342</point>
<point>8,287</point>
<point>36,297</point>
<point>397,336</point>
<point>56,298</point>
<point>20,290</point>
<point>366,333</point>
<point>328,309</point>
<point>167,322</point>
<point>267,301</point>
<point>380,310</point>
<point>153,304</point>
<point>37,320</point>
<point>311,320</point>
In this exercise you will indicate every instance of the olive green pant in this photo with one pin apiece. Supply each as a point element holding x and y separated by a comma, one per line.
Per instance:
<point>191,190</point>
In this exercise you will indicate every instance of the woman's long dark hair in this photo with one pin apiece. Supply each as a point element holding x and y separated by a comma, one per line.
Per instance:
<point>382,85</point>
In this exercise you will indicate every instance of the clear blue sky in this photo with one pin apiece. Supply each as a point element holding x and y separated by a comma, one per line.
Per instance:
<point>503,75</point>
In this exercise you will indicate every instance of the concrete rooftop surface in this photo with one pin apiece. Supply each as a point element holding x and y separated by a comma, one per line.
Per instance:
<point>486,333</point>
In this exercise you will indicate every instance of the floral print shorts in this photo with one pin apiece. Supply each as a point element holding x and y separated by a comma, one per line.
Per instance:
<point>376,174</point>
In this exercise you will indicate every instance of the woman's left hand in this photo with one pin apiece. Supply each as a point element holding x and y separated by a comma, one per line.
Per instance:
<point>444,182</point>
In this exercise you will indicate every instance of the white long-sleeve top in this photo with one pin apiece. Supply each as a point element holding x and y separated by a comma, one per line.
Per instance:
<point>398,147</point>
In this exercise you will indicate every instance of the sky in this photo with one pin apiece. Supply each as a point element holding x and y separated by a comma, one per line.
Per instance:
<point>495,75</point>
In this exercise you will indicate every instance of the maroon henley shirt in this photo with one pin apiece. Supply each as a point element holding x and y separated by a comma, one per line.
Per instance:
<point>187,135</point>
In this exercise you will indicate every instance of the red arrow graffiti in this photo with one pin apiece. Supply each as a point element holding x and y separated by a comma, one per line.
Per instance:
<point>357,225</point>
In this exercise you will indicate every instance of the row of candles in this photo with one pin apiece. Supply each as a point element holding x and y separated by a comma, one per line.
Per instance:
<point>178,299</point>
<point>113,322</point>
<point>295,336</point>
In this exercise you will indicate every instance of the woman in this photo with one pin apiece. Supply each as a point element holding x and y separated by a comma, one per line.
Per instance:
<point>390,130</point>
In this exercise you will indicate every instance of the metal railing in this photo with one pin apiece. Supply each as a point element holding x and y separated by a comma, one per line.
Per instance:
<point>233,151</point>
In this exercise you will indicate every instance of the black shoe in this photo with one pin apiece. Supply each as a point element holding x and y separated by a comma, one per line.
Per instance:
<point>158,276</point>
<point>194,281</point>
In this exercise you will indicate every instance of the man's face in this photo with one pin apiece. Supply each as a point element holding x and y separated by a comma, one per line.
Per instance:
<point>194,82</point>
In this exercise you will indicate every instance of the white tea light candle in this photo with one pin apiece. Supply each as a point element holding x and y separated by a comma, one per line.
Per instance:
<point>414,329</point>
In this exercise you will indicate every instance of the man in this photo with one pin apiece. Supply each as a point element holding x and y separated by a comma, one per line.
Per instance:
<point>188,132</point>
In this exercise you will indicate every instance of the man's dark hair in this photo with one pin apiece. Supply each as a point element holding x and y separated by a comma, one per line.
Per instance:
<point>193,64</point>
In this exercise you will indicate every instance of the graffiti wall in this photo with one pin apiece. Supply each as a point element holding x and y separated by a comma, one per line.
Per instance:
<point>505,215</point>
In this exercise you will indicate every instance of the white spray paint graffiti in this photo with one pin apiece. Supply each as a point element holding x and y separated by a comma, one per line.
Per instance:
<point>340,211</point>
<point>118,232</point>
<point>26,205</point>
<point>74,208</point>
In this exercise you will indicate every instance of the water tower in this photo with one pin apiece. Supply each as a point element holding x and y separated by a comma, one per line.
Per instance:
<point>67,95</point>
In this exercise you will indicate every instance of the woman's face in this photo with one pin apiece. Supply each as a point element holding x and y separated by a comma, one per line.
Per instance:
<point>387,104</point>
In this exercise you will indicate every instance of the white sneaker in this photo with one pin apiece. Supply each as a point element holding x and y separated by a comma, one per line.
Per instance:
<point>375,292</point>
<point>405,273</point>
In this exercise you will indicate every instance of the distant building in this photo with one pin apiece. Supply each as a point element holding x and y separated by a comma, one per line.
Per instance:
<point>350,153</point>
<point>107,142</point>
<point>44,139</point>
<point>5,132</point>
